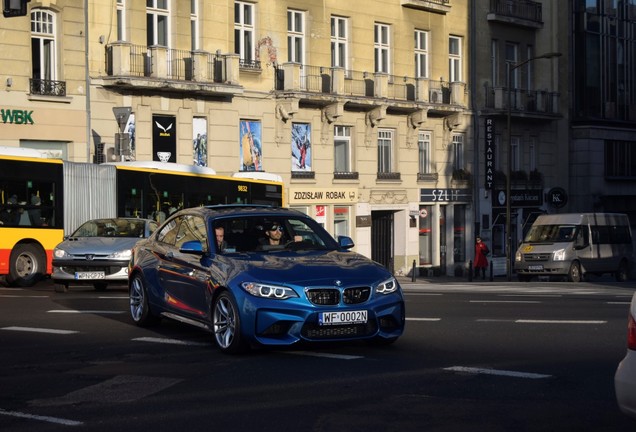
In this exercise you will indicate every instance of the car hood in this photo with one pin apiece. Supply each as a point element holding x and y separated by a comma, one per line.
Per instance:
<point>97,245</point>
<point>306,268</point>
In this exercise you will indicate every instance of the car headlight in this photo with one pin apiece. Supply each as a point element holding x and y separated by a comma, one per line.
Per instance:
<point>518,256</point>
<point>269,291</point>
<point>559,255</point>
<point>60,253</point>
<point>125,254</point>
<point>387,287</point>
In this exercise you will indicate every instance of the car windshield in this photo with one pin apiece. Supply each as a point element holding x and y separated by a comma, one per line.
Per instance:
<point>116,227</point>
<point>268,234</point>
<point>552,233</point>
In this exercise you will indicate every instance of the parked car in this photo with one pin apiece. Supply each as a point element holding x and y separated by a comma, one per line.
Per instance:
<point>98,252</point>
<point>250,291</point>
<point>625,378</point>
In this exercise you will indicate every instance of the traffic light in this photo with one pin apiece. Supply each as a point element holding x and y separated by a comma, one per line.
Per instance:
<point>14,8</point>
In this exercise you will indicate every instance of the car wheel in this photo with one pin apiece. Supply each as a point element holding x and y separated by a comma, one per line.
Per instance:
<point>100,286</point>
<point>227,324</point>
<point>623,272</point>
<point>61,287</point>
<point>574,274</point>
<point>139,306</point>
<point>27,265</point>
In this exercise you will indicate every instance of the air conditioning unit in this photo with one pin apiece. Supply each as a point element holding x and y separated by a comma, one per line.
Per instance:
<point>435,95</point>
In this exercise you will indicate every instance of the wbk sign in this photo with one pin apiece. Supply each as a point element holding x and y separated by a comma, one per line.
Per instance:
<point>16,116</point>
<point>489,168</point>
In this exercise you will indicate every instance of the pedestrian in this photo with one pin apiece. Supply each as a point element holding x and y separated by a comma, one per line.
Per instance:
<point>481,261</point>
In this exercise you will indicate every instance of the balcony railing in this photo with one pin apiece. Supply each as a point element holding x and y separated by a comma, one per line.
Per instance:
<point>125,60</point>
<point>389,176</point>
<point>250,64</point>
<point>531,101</point>
<point>520,9</point>
<point>47,87</point>
<point>345,175</point>
<point>323,80</point>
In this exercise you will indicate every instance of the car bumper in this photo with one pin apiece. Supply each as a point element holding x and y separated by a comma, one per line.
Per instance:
<point>72,270</point>
<point>543,269</point>
<point>289,325</point>
<point>625,384</point>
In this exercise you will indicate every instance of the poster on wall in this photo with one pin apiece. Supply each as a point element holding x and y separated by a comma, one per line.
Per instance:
<point>130,130</point>
<point>164,138</point>
<point>301,147</point>
<point>250,146</point>
<point>200,141</point>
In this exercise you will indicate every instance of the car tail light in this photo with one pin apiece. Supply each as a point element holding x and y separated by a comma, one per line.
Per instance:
<point>631,333</point>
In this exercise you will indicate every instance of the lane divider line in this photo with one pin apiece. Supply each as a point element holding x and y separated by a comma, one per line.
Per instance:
<point>496,372</point>
<point>39,330</point>
<point>48,419</point>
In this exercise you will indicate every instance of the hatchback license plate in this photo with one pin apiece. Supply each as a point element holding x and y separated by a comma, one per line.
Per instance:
<point>535,267</point>
<point>344,317</point>
<point>90,275</point>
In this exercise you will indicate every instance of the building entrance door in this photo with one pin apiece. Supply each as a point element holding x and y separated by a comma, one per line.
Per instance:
<point>382,238</point>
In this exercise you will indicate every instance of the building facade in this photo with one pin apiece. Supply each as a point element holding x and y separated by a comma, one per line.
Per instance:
<point>362,107</point>
<point>521,117</point>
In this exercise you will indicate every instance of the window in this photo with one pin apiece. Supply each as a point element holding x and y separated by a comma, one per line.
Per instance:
<point>341,221</point>
<point>194,25</point>
<point>512,57</point>
<point>382,46</point>
<point>339,42</point>
<point>426,237</point>
<point>620,159</point>
<point>43,48</point>
<point>342,149</point>
<point>421,54</point>
<point>244,31</point>
<point>529,68</point>
<point>494,62</point>
<point>514,148</point>
<point>455,58</point>
<point>532,154</point>
<point>295,36</point>
<point>459,233</point>
<point>458,152</point>
<point>385,146</point>
<point>157,19</point>
<point>121,20</point>
<point>424,149</point>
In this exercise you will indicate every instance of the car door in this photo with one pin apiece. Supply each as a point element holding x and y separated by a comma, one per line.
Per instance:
<point>186,276</point>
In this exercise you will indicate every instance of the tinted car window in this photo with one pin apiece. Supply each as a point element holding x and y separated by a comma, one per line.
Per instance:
<point>168,233</point>
<point>192,228</point>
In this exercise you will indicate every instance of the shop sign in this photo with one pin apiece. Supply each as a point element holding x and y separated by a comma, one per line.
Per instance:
<point>322,195</point>
<point>489,156</point>
<point>446,195</point>
<point>518,198</point>
<point>16,116</point>
<point>557,197</point>
<point>363,221</point>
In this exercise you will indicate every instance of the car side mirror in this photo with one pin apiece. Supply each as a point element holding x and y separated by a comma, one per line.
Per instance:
<point>345,242</point>
<point>192,247</point>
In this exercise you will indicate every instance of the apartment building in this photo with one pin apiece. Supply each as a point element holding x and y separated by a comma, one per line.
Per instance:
<point>520,89</point>
<point>362,107</point>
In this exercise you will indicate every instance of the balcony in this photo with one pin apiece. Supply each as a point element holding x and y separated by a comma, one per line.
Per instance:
<point>43,87</point>
<point>322,85</point>
<point>524,13</point>
<point>523,102</point>
<point>166,69</point>
<point>345,175</point>
<point>435,6</point>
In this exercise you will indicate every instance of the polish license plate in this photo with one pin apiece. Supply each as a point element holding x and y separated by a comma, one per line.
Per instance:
<point>535,267</point>
<point>342,317</point>
<point>90,275</point>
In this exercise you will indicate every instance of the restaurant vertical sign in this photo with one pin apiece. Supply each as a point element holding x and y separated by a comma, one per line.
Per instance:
<point>489,158</point>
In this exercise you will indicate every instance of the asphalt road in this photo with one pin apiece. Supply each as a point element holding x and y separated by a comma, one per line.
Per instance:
<point>474,357</point>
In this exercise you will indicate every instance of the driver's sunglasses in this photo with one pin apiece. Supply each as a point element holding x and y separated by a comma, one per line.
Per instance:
<point>276,227</point>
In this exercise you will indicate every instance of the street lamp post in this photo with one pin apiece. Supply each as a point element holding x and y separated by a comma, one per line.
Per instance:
<point>510,68</point>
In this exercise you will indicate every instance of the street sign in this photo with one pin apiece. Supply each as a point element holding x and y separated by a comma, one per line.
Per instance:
<point>121,115</point>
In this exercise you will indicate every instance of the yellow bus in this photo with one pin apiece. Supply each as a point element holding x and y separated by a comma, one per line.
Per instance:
<point>42,200</point>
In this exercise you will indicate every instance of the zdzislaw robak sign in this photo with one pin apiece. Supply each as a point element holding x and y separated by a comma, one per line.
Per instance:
<point>333,195</point>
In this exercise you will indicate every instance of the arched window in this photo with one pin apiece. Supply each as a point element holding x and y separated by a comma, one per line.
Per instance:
<point>43,49</point>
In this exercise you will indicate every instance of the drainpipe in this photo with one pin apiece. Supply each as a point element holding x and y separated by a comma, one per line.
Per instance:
<point>87,79</point>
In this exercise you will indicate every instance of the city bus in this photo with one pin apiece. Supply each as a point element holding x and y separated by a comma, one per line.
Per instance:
<point>43,199</point>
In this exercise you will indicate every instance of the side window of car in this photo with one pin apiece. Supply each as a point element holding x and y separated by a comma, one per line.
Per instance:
<point>168,233</point>
<point>192,228</point>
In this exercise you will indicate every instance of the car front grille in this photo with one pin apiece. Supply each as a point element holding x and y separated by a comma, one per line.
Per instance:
<point>332,296</point>
<point>315,331</point>
<point>537,257</point>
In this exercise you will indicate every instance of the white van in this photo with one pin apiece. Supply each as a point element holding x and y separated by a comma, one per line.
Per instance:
<point>576,244</point>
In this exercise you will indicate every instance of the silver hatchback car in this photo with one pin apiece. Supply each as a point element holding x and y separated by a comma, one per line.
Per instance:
<point>98,252</point>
